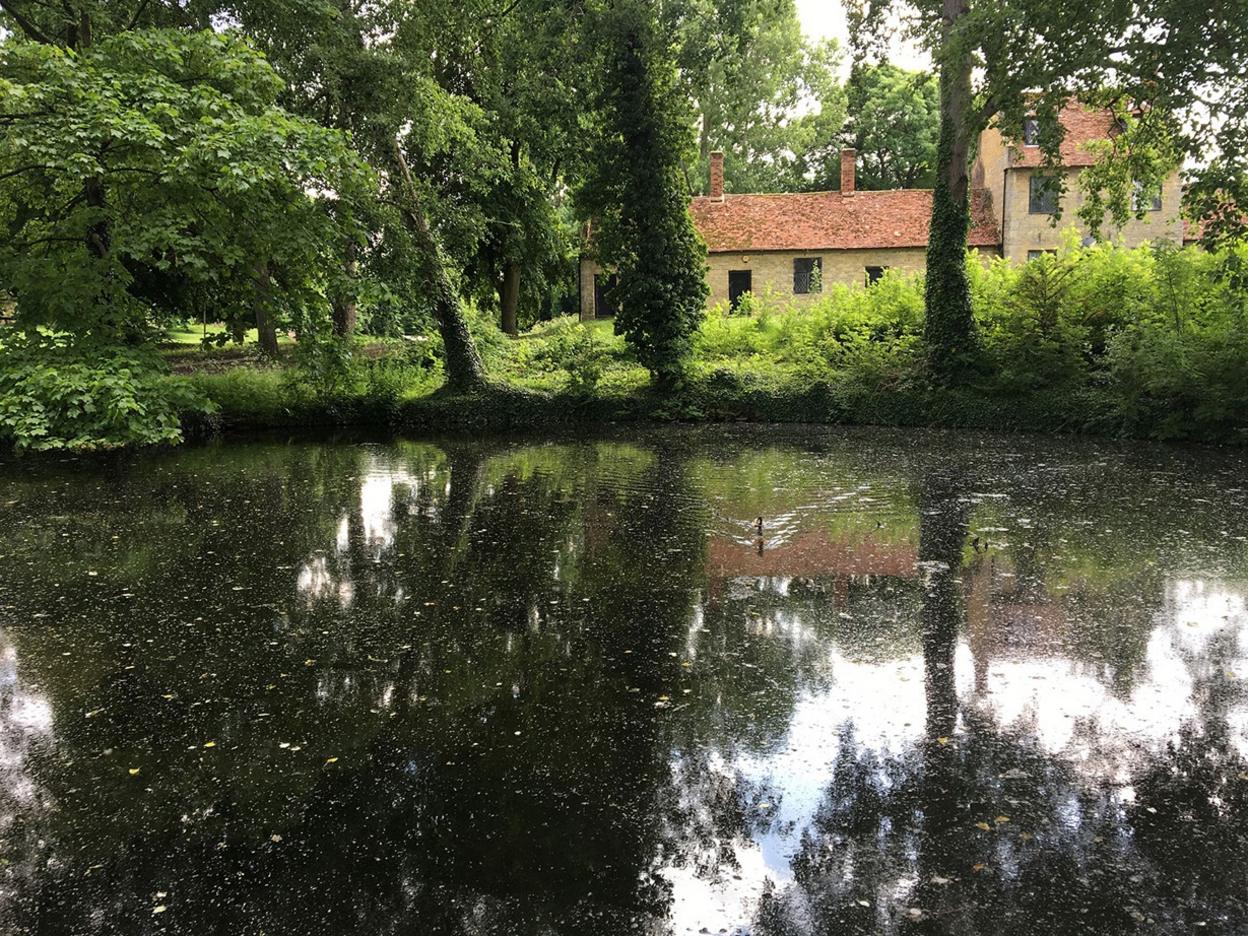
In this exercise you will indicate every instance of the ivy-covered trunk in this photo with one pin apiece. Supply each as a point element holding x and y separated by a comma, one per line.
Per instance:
<point>949,330</point>
<point>464,370</point>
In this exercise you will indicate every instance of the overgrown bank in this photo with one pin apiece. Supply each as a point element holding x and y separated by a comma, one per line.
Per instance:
<point>1151,342</point>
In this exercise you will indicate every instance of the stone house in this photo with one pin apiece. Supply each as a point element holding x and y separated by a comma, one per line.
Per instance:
<point>791,244</point>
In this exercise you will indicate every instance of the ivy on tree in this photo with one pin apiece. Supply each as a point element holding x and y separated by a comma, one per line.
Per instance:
<point>636,191</point>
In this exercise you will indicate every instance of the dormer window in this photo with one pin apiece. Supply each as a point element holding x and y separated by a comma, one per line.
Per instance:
<point>1031,132</point>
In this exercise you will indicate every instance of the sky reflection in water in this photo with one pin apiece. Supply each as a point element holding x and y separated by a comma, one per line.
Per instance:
<point>962,685</point>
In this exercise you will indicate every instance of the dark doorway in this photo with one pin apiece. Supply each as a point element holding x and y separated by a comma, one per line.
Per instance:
<point>739,283</point>
<point>603,284</point>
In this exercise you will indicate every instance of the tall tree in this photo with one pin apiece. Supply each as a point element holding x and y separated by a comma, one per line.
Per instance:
<point>380,72</point>
<point>528,74</point>
<point>764,94</point>
<point>893,123</point>
<point>636,191</point>
<point>149,163</point>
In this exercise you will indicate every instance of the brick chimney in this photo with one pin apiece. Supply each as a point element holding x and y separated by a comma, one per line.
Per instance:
<point>717,175</point>
<point>849,159</point>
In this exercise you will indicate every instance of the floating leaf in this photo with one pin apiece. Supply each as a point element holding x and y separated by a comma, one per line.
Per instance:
<point>979,866</point>
<point>1001,820</point>
<point>331,760</point>
<point>942,740</point>
<point>210,744</point>
<point>160,908</point>
<point>983,825</point>
<point>134,771</point>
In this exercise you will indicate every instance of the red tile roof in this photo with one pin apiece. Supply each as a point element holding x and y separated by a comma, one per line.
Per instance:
<point>829,220</point>
<point>1082,126</point>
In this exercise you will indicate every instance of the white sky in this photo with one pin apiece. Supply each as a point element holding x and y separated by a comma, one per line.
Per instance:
<point>826,18</point>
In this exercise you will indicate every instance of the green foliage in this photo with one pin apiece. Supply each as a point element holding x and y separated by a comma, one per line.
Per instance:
<point>637,192</point>
<point>893,123</point>
<point>153,169</point>
<point>765,95</point>
<point>569,346</point>
<point>56,393</point>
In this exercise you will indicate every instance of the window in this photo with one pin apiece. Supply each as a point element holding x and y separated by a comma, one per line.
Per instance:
<point>1031,132</point>
<point>807,275</point>
<point>1037,254</point>
<point>1043,195</point>
<point>875,274</point>
<point>740,283</point>
<point>1138,200</point>
<point>604,283</point>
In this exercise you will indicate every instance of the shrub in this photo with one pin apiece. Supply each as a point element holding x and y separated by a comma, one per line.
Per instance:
<point>59,394</point>
<point>567,345</point>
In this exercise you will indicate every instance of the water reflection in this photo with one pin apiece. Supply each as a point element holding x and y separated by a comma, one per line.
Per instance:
<point>960,686</point>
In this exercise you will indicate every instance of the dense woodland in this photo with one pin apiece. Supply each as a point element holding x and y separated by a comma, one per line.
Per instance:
<point>337,176</point>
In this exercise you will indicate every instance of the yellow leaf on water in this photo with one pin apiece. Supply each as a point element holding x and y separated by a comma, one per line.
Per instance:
<point>942,740</point>
<point>134,771</point>
<point>1002,819</point>
<point>92,714</point>
<point>980,866</point>
<point>210,744</point>
<point>308,662</point>
<point>1025,836</point>
<point>983,825</point>
<point>331,760</point>
<point>161,908</point>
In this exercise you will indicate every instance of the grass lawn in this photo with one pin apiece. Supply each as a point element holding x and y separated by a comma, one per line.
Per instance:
<point>191,334</point>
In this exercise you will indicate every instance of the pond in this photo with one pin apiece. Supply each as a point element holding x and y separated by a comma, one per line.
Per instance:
<point>959,685</point>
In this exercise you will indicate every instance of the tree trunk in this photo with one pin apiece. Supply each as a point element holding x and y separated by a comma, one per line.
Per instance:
<point>464,370</point>
<point>949,330</point>
<point>345,304</point>
<point>266,329</point>
<point>509,298</point>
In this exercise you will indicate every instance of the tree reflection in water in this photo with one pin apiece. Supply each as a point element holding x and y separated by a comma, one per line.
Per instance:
<point>979,830</point>
<point>488,688</point>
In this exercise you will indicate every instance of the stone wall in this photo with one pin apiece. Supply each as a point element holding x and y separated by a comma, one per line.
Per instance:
<point>772,271</point>
<point>1026,232</point>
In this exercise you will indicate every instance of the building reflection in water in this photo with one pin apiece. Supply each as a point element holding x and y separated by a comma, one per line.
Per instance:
<point>559,689</point>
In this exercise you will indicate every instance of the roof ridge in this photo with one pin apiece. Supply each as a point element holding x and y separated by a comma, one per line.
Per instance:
<point>856,193</point>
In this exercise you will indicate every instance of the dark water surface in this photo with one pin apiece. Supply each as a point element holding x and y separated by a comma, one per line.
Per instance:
<point>964,685</point>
